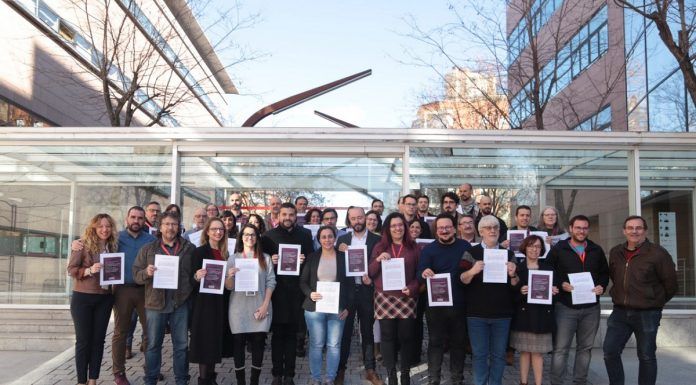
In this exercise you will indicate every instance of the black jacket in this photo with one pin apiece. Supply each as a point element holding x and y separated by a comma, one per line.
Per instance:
<point>565,260</point>
<point>370,242</point>
<point>534,318</point>
<point>308,282</point>
<point>287,296</point>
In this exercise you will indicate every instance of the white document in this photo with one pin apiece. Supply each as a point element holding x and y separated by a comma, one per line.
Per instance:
<point>547,245</point>
<point>540,284</point>
<point>167,272</point>
<point>495,265</point>
<point>516,237</point>
<point>356,261</point>
<point>214,280</point>
<point>153,231</point>
<point>195,238</point>
<point>111,272</point>
<point>231,244</point>
<point>440,290</point>
<point>557,238</point>
<point>330,295</point>
<point>247,278</point>
<point>582,288</point>
<point>313,228</point>
<point>393,274</point>
<point>288,259</point>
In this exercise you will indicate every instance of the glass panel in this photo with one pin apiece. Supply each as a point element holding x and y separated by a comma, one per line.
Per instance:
<point>573,179</point>
<point>36,185</point>
<point>326,181</point>
<point>667,180</point>
<point>667,105</point>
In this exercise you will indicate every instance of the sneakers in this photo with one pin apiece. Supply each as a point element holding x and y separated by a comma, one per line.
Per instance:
<point>120,379</point>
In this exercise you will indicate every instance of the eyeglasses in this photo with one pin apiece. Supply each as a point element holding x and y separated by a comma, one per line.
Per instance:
<point>397,226</point>
<point>550,215</point>
<point>445,228</point>
<point>534,247</point>
<point>248,235</point>
<point>217,229</point>
<point>490,228</point>
<point>637,228</point>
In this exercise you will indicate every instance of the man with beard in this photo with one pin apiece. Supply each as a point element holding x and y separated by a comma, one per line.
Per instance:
<point>164,306</point>
<point>423,206</point>
<point>576,255</point>
<point>235,205</point>
<point>467,202</point>
<point>485,206</point>
<point>445,322</point>
<point>448,205</point>
<point>152,210</point>
<point>287,296</point>
<point>377,206</point>
<point>129,296</point>
<point>362,305</point>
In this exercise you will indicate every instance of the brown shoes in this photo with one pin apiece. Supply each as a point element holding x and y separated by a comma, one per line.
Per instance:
<point>373,377</point>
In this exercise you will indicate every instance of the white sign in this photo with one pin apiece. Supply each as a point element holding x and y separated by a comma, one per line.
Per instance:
<point>247,278</point>
<point>288,259</point>
<point>668,233</point>
<point>195,238</point>
<point>330,296</point>
<point>231,244</point>
<point>440,290</point>
<point>539,286</point>
<point>393,274</point>
<point>495,265</point>
<point>166,272</point>
<point>111,272</point>
<point>547,245</point>
<point>313,228</point>
<point>356,261</point>
<point>583,284</point>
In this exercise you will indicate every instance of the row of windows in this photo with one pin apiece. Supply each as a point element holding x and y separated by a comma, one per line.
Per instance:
<point>15,116</point>
<point>586,46</point>
<point>539,14</point>
<point>600,121</point>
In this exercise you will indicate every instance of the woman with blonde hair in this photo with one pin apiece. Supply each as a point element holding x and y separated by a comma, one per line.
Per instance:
<point>91,304</point>
<point>209,313</point>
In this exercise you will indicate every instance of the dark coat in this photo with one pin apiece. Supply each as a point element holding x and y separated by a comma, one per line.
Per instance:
<point>287,296</point>
<point>208,317</point>
<point>370,242</point>
<point>534,318</point>
<point>308,282</point>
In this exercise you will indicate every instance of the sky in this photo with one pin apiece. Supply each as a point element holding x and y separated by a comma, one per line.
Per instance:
<point>310,43</point>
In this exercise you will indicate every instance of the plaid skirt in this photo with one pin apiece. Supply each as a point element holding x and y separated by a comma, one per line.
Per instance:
<point>389,306</point>
<point>531,342</point>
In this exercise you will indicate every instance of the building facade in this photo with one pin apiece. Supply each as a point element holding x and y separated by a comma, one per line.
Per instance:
<point>592,66</point>
<point>62,57</point>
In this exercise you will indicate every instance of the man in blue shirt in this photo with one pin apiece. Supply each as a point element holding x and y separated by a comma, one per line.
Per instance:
<point>445,322</point>
<point>129,296</point>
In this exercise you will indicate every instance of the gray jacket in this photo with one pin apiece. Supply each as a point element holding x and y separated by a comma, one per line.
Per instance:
<point>155,298</point>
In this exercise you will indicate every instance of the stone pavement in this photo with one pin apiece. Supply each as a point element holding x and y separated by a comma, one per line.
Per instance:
<point>676,368</point>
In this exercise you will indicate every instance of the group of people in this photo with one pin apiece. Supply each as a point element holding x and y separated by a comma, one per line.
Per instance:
<point>485,318</point>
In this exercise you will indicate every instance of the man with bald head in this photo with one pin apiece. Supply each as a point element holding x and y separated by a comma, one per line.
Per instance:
<point>200,216</point>
<point>273,218</point>
<point>235,205</point>
<point>485,205</point>
<point>467,202</point>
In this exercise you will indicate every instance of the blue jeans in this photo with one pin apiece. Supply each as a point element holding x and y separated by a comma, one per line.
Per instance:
<point>620,325</point>
<point>156,322</point>
<point>579,323</point>
<point>489,339</point>
<point>324,330</point>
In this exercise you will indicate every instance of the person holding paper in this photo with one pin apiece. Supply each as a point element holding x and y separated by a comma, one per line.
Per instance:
<point>489,306</point>
<point>164,306</point>
<point>234,203</point>
<point>485,205</point>
<point>576,255</point>
<point>250,313</point>
<point>532,324</point>
<point>523,215</point>
<point>200,217</point>
<point>649,279</point>
<point>396,309</point>
<point>549,222</point>
<point>325,329</point>
<point>445,323</point>
<point>152,211</point>
<point>174,208</point>
<point>287,296</point>
<point>90,305</point>
<point>364,296</point>
<point>211,339</point>
<point>466,229</point>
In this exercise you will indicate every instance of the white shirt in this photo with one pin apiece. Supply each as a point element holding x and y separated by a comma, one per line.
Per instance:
<point>355,241</point>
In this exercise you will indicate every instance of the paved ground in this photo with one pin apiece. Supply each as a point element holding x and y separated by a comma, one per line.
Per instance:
<point>676,368</point>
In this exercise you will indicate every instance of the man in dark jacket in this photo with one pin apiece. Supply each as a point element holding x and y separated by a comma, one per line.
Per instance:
<point>576,255</point>
<point>287,297</point>
<point>363,303</point>
<point>644,279</point>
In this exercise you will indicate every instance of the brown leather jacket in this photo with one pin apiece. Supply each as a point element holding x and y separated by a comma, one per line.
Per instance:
<point>647,281</point>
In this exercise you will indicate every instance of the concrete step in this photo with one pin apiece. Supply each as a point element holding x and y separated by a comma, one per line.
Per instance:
<point>41,342</point>
<point>34,314</point>
<point>37,326</point>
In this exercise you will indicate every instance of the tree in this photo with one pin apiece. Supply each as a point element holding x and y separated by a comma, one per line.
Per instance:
<point>675,21</point>
<point>143,64</point>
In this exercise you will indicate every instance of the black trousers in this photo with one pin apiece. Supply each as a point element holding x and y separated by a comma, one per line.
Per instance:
<point>421,307</point>
<point>90,314</point>
<point>363,308</point>
<point>446,324</point>
<point>257,342</point>
<point>283,349</point>
<point>397,330</point>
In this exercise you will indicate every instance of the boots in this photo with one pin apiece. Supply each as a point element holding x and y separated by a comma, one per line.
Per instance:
<point>240,374</point>
<point>255,375</point>
<point>405,377</point>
